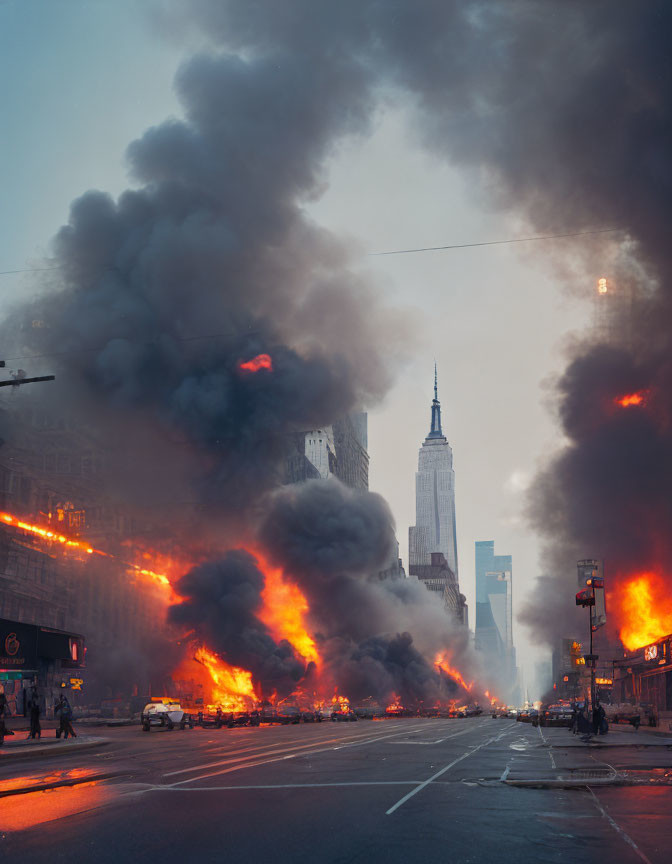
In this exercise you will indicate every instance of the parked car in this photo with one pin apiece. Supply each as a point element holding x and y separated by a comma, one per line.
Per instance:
<point>558,714</point>
<point>368,712</point>
<point>243,718</point>
<point>308,716</point>
<point>211,718</point>
<point>343,715</point>
<point>529,715</point>
<point>288,714</point>
<point>165,713</point>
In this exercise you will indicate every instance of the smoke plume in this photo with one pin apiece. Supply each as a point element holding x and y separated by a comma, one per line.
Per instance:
<point>209,260</point>
<point>375,635</point>
<point>564,110</point>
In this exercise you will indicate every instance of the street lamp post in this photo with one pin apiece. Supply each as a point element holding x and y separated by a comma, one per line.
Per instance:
<point>584,598</point>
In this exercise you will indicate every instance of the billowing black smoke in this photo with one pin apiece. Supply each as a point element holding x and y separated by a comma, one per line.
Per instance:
<point>223,599</point>
<point>333,541</point>
<point>564,109</point>
<point>207,263</point>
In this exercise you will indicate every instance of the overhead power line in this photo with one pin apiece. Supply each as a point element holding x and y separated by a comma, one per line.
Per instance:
<point>406,251</point>
<point>29,270</point>
<point>497,242</point>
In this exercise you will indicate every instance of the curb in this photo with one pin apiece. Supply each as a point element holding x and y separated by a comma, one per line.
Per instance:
<point>27,753</point>
<point>556,783</point>
<point>44,787</point>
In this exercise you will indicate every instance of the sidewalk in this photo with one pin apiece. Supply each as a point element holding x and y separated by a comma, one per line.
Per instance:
<point>20,747</point>
<point>622,757</point>
<point>618,736</point>
<point>54,779</point>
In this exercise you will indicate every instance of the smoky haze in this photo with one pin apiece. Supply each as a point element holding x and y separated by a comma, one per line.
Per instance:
<point>560,112</point>
<point>563,112</point>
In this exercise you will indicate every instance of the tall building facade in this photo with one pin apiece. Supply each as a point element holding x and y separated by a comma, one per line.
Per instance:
<point>434,529</point>
<point>340,450</point>
<point>494,609</point>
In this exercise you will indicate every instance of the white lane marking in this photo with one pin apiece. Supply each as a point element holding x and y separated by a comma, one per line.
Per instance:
<point>252,752</point>
<point>550,746</point>
<point>261,750</point>
<point>290,755</point>
<point>438,741</point>
<point>174,788</point>
<point>438,774</point>
<point>370,740</point>
<point>617,828</point>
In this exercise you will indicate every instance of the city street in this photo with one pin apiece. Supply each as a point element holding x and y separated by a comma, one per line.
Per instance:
<point>398,790</point>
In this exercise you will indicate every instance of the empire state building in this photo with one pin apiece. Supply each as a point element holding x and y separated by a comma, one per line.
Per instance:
<point>434,529</point>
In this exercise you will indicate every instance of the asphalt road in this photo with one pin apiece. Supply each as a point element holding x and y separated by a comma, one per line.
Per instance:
<point>400,790</point>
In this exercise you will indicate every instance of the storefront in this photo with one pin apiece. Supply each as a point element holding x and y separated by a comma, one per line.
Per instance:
<point>37,662</point>
<point>646,675</point>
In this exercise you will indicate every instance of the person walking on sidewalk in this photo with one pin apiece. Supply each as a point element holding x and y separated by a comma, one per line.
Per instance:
<point>35,728</point>
<point>64,712</point>
<point>598,716</point>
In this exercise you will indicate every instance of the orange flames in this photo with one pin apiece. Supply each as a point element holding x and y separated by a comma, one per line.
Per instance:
<point>395,705</point>
<point>47,534</point>
<point>232,688</point>
<point>645,610</point>
<point>442,662</point>
<point>71,544</point>
<point>261,361</point>
<point>284,610</point>
<point>638,398</point>
<point>221,685</point>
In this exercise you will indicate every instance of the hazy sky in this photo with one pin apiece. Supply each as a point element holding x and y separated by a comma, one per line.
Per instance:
<point>79,80</point>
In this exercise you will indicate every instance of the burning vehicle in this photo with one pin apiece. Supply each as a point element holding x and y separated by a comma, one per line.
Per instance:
<point>243,718</point>
<point>289,714</point>
<point>343,715</point>
<point>165,713</point>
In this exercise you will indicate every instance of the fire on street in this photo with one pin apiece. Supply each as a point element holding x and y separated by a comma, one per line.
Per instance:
<point>402,790</point>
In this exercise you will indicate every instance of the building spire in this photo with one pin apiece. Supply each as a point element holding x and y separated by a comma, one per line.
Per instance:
<point>435,431</point>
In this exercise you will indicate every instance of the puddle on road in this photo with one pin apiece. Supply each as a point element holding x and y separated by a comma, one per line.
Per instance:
<point>20,812</point>
<point>45,777</point>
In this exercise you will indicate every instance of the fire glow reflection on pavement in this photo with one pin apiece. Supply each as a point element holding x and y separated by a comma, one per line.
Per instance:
<point>20,812</point>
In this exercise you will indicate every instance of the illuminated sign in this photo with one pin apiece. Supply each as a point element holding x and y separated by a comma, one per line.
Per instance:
<point>76,683</point>
<point>12,644</point>
<point>651,652</point>
<point>604,680</point>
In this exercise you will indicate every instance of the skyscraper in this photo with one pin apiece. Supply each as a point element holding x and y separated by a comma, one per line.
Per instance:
<point>494,609</point>
<point>434,529</point>
<point>340,450</point>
